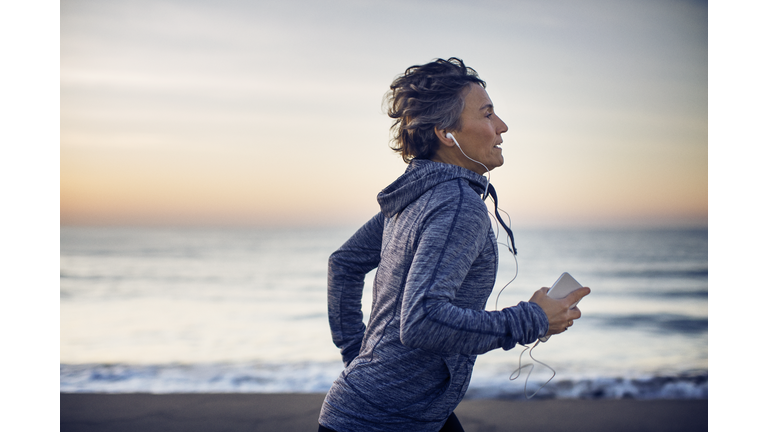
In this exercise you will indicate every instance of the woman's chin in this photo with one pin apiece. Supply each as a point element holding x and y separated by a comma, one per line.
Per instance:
<point>496,163</point>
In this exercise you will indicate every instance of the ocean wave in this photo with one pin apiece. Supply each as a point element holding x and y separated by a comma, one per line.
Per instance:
<point>674,294</point>
<point>317,378</point>
<point>655,273</point>
<point>654,322</point>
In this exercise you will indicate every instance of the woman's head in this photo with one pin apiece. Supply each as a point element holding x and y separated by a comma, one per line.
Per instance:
<point>425,98</point>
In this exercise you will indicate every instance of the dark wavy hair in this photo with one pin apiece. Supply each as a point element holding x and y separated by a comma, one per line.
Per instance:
<point>423,97</point>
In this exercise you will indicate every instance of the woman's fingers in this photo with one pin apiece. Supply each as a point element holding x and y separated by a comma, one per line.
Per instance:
<point>574,314</point>
<point>560,312</point>
<point>578,294</point>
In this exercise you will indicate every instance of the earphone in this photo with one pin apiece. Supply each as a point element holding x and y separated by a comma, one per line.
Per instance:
<point>450,135</point>
<point>512,249</point>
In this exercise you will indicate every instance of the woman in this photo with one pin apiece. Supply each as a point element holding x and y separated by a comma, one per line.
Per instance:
<point>437,258</point>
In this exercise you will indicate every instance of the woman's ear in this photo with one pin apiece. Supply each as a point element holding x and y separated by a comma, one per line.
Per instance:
<point>443,136</point>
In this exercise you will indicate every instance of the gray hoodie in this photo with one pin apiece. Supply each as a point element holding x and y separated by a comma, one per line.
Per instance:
<point>437,258</point>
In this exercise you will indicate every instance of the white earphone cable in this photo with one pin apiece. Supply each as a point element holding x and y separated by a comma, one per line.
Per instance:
<point>487,171</point>
<point>531,365</point>
<point>528,349</point>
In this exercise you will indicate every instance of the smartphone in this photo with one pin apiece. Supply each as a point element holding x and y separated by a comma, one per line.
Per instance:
<point>564,285</point>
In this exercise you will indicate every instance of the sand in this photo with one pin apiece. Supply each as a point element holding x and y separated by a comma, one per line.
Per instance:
<point>298,412</point>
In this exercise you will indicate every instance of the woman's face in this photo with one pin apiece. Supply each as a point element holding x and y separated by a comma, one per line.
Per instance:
<point>480,134</point>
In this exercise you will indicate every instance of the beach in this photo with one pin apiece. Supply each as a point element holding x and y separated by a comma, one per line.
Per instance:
<point>298,412</point>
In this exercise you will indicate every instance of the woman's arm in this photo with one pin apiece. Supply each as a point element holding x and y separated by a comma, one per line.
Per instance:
<point>347,268</point>
<point>451,239</point>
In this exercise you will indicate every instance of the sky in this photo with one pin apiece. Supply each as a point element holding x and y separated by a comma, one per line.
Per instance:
<point>270,113</point>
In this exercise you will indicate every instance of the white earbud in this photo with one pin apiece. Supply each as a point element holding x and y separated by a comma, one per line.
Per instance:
<point>450,135</point>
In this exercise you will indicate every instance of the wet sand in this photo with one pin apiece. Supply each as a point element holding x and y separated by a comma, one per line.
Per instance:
<point>299,412</point>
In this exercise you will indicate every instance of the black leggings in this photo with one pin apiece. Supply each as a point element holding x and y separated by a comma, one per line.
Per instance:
<point>451,425</point>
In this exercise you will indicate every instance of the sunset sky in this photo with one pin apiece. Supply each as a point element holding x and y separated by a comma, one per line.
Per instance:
<point>270,112</point>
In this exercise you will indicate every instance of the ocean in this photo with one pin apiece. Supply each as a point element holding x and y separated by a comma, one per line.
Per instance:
<point>180,310</point>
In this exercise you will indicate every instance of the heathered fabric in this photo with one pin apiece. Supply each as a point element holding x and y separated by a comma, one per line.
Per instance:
<point>437,259</point>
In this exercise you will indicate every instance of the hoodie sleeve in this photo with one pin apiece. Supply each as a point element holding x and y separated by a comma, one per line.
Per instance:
<point>347,268</point>
<point>452,236</point>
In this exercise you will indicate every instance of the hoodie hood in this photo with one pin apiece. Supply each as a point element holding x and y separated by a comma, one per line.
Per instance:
<point>421,176</point>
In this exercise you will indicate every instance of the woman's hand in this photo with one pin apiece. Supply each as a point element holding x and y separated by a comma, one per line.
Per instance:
<point>559,311</point>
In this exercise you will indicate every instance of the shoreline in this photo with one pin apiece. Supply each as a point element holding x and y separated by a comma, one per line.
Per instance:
<point>289,412</point>
<point>317,378</point>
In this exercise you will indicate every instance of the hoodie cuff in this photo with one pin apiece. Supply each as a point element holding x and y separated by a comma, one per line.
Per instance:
<point>527,322</point>
<point>540,319</point>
